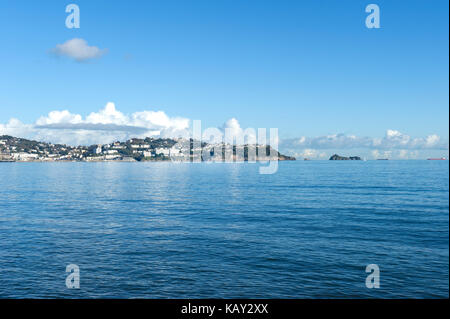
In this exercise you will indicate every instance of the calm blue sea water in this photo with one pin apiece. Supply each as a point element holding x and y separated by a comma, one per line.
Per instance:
<point>163,230</point>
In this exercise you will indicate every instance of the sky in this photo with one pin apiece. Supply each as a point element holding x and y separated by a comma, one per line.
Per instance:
<point>312,69</point>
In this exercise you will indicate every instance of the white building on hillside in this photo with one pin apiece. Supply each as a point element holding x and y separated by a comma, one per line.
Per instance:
<point>24,156</point>
<point>163,151</point>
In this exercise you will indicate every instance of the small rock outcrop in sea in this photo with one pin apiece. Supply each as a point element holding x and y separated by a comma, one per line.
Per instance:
<point>336,157</point>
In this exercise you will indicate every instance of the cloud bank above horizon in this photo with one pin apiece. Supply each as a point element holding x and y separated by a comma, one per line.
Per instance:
<point>109,124</point>
<point>393,145</point>
<point>104,126</point>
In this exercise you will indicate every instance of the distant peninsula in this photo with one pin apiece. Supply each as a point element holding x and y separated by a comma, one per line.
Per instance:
<point>336,157</point>
<point>14,149</point>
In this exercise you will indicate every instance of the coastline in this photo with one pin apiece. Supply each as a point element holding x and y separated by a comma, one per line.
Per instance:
<point>145,161</point>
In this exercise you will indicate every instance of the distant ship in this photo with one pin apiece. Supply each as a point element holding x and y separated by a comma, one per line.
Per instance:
<point>382,159</point>
<point>437,159</point>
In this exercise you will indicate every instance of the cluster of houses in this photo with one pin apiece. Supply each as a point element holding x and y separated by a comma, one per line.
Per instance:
<point>134,148</point>
<point>17,149</point>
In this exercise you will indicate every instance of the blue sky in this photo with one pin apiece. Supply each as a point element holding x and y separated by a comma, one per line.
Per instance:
<point>309,68</point>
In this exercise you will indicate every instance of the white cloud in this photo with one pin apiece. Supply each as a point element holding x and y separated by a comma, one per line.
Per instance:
<point>79,50</point>
<point>159,119</point>
<point>108,115</point>
<point>432,140</point>
<point>308,153</point>
<point>405,154</point>
<point>16,128</point>
<point>392,140</point>
<point>393,145</point>
<point>234,133</point>
<point>104,126</point>
<point>58,117</point>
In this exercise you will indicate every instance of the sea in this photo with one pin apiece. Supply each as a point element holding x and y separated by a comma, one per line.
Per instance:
<point>313,229</point>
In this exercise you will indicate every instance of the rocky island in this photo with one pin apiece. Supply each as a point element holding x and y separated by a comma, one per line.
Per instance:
<point>336,157</point>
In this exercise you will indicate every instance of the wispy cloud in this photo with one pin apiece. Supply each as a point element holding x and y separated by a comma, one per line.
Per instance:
<point>394,144</point>
<point>79,50</point>
<point>392,140</point>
